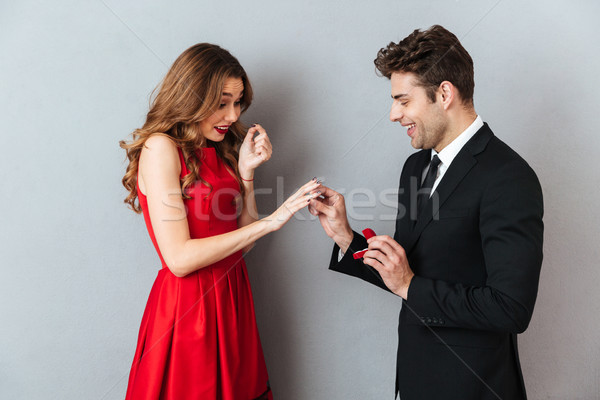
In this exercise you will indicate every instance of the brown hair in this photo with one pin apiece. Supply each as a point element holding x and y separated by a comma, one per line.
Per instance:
<point>190,92</point>
<point>434,55</point>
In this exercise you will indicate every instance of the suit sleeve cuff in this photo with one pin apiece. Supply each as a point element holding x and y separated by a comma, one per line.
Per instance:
<point>421,305</point>
<point>358,243</point>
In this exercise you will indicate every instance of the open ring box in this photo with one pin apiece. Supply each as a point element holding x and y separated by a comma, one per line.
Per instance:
<point>368,233</point>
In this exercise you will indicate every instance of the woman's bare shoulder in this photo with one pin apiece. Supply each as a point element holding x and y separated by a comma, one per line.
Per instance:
<point>160,148</point>
<point>159,157</point>
<point>160,142</point>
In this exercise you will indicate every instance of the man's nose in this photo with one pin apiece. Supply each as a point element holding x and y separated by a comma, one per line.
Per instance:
<point>395,113</point>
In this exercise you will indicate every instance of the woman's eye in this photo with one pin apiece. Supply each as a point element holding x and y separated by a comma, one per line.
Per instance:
<point>237,103</point>
<point>221,105</point>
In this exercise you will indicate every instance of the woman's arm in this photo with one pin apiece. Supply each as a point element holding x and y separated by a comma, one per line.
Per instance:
<point>253,152</point>
<point>249,212</point>
<point>159,176</point>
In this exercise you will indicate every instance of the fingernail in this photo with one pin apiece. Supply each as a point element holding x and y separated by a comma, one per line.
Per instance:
<point>318,192</point>
<point>253,125</point>
<point>319,182</point>
<point>314,178</point>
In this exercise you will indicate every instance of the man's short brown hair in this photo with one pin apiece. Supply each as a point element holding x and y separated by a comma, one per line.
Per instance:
<point>434,55</point>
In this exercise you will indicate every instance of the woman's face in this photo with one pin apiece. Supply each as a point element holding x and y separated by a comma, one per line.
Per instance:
<point>217,125</point>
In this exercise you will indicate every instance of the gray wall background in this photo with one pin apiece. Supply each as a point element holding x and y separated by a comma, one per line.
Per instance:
<point>77,265</point>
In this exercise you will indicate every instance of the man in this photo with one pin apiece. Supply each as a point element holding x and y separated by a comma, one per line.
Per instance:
<point>467,251</point>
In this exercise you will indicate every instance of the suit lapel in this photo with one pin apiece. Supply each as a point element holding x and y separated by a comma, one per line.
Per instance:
<point>411,176</point>
<point>460,167</point>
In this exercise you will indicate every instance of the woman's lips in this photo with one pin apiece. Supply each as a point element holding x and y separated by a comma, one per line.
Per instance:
<point>222,129</point>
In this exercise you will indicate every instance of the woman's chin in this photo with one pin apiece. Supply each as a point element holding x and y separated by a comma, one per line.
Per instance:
<point>215,138</point>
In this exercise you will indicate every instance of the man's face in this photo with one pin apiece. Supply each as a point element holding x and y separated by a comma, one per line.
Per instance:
<point>412,108</point>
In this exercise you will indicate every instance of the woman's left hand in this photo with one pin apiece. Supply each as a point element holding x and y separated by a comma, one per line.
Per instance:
<point>254,151</point>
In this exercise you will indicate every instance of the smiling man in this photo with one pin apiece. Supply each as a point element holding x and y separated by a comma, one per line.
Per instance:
<point>467,250</point>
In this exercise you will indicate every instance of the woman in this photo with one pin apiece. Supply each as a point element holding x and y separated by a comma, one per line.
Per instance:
<point>198,337</point>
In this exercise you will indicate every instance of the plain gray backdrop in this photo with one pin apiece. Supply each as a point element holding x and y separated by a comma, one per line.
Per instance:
<point>77,265</point>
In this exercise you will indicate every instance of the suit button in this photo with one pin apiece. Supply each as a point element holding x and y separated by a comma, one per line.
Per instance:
<point>428,320</point>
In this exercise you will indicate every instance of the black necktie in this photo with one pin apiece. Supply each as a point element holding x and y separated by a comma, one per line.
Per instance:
<point>425,189</point>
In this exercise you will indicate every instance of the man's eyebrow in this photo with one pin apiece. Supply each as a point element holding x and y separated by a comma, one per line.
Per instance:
<point>399,96</point>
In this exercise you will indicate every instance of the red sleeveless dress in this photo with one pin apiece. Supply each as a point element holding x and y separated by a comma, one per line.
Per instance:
<point>198,337</point>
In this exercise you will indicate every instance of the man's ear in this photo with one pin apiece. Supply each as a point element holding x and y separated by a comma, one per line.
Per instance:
<point>447,93</point>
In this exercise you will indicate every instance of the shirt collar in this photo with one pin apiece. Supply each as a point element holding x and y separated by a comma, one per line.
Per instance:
<point>449,152</point>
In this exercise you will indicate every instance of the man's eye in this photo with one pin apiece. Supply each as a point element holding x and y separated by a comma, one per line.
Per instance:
<point>404,103</point>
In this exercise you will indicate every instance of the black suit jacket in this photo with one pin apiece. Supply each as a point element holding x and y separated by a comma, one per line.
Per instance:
<point>476,251</point>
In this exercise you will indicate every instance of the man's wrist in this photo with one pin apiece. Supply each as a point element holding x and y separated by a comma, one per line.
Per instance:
<point>403,290</point>
<point>343,241</point>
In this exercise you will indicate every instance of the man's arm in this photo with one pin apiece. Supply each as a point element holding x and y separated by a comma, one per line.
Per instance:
<point>349,266</point>
<point>331,210</point>
<point>511,232</point>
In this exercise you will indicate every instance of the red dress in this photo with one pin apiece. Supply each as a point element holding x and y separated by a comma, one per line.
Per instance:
<point>198,337</point>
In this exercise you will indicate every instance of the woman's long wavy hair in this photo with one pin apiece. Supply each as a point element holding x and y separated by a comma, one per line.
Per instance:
<point>190,92</point>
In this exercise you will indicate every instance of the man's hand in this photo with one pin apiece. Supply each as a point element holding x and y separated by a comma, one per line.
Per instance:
<point>331,210</point>
<point>389,259</point>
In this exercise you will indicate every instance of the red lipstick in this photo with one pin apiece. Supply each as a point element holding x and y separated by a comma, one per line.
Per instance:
<point>222,129</point>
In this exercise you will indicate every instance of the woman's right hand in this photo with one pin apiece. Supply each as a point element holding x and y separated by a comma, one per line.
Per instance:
<point>294,203</point>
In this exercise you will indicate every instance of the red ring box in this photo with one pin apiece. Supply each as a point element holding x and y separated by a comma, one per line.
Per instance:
<point>369,233</point>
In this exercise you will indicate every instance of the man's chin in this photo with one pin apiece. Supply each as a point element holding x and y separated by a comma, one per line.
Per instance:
<point>416,145</point>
